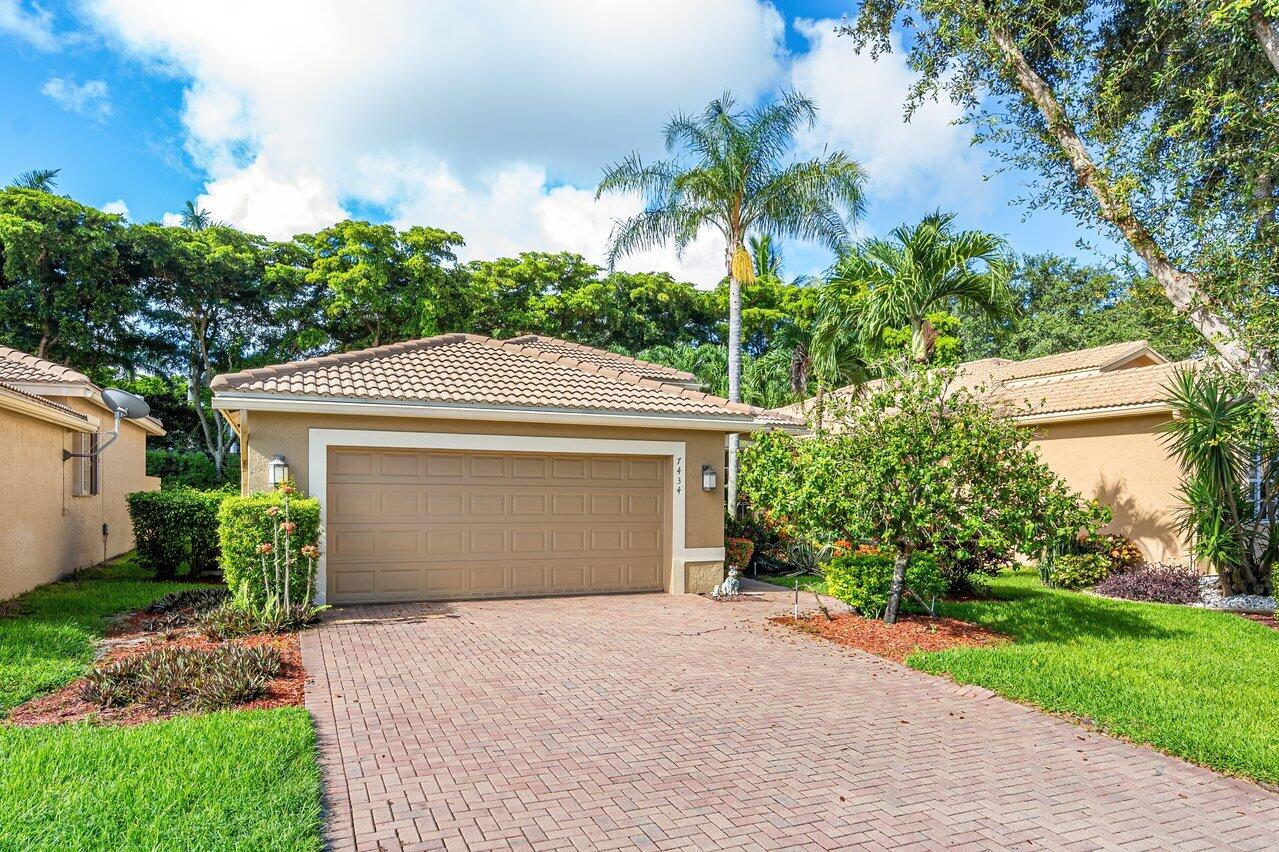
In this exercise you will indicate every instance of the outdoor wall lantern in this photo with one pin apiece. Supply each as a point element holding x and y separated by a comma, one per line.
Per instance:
<point>278,471</point>
<point>708,478</point>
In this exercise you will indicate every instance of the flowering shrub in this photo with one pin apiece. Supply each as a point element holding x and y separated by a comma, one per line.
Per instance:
<point>739,552</point>
<point>1079,570</point>
<point>268,549</point>
<point>1157,583</point>
<point>1122,551</point>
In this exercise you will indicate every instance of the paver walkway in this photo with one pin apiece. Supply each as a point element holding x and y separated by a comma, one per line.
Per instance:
<point>663,722</point>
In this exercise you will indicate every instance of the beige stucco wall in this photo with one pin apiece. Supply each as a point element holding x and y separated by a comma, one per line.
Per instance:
<point>1122,462</point>
<point>45,531</point>
<point>264,434</point>
<point>701,578</point>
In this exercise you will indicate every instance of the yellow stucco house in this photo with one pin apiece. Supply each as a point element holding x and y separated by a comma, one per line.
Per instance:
<point>1096,413</point>
<point>60,514</point>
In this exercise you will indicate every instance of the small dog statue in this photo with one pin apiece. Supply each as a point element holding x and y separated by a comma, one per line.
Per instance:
<point>731,587</point>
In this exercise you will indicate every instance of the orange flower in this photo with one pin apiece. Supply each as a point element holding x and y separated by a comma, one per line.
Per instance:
<point>265,547</point>
<point>289,526</point>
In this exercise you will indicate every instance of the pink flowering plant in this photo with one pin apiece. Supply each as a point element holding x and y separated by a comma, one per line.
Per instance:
<point>270,555</point>
<point>284,598</point>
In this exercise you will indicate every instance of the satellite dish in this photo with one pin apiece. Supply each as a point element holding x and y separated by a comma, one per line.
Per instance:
<point>133,407</point>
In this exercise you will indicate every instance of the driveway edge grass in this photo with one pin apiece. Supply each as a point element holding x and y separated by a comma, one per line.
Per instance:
<point>1192,683</point>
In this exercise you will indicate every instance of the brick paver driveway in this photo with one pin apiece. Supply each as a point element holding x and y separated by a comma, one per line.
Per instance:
<point>656,721</point>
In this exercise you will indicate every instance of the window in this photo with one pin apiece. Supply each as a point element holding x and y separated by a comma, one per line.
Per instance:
<point>85,472</point>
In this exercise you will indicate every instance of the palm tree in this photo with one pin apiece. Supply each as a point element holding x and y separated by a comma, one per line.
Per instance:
<point>923,268</point>
<point>729,173</point>
<point>44,180</point>
<point>196,218</point>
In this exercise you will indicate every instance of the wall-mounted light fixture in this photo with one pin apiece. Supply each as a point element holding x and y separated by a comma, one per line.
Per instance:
<point>708,478</point>
<point>277,471</point>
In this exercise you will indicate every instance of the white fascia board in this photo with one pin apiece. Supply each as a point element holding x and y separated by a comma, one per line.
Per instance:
<point>1095,413</point>
<point>392,408</point>
<point>35,409</point>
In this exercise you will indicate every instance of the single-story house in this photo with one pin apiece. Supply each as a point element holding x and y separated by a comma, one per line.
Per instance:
<point>462,466</point>
<point>62,514</point>
<point>1096,415</point>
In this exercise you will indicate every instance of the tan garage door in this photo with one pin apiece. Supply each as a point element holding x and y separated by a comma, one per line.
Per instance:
<point>437,525</point>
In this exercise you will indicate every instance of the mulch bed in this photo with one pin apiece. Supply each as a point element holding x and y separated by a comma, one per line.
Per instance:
<point>898,641</point>
<point>1269,620</point>
<point>129,639</point>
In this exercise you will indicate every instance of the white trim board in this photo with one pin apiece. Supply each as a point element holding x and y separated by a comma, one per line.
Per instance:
<point>225,400</point>
<point>320,440</point>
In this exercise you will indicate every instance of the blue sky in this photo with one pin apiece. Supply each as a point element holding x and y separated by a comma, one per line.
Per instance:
<point>488,118</point>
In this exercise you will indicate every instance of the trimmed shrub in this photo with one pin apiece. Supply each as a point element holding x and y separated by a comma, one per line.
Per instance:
<point>247,523</point>
<point>862,580</point>
<point>1079,570</point>
<point>176,678</point>
<point>739,552</point>
<point>176,527</point>
<point>1156,583</point>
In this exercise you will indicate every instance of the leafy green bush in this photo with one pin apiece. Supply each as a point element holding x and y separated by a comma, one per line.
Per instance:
<point>192,469</point>
<point>176,527</point>
<point>1080,570</point>
<point>177,678</point>
<point>862,580</point>
<point>245,524</point>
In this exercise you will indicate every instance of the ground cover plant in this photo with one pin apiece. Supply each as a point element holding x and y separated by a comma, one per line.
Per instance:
<point>1171,584</point>
<point>1190,682</point>
<point>177,678</point>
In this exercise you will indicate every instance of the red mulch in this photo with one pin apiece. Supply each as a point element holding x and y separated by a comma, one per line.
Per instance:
<point>67,705</point>
<point>1269,620</point>
<point>897,641</point>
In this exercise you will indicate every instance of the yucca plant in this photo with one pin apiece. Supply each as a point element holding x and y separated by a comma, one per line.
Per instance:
<point>1227,449</point>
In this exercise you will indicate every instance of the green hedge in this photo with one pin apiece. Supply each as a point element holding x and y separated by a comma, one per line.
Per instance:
<point>176,527</point>
<point>862,580</point>
<point>243,525</point>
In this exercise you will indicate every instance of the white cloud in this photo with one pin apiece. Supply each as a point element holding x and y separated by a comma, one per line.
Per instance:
<point>927,159</point>
<point>91,98</point>
<point>118,207</point>
<point>171,220</point>
<point>491,117</point>
<point>33,24</point>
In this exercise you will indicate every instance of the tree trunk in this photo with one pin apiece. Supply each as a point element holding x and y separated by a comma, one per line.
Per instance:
<point>734,371</point>
<point>898,585</point>
<point>1264,30</point>
<point>1182,288</point>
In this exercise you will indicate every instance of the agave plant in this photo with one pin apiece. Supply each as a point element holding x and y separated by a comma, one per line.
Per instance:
<point>1227,449</point>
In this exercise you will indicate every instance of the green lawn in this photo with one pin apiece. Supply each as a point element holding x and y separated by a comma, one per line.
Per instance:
<point>50,640</point>
<point>235,780</point>
<point>1201,685</point>
<point>807,582</point>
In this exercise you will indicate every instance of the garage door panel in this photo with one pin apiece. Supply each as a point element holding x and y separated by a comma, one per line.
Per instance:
<point>413,525</point>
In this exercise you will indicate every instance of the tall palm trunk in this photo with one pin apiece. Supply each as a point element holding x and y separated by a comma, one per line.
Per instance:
<point>734,370</point>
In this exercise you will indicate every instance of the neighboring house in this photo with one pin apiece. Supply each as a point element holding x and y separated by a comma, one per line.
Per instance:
<point>462,466</point>
<point>61,515</point>
<point>1096,414</point>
